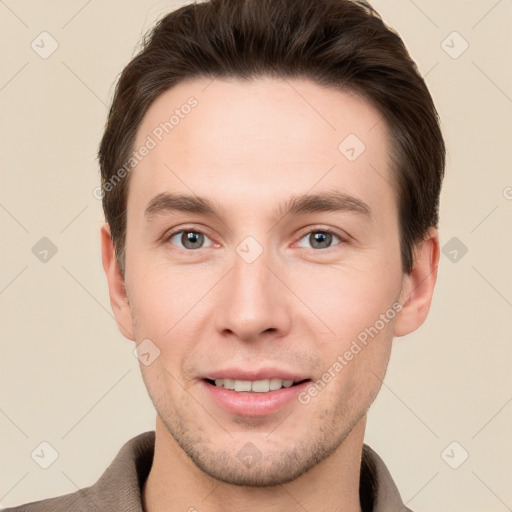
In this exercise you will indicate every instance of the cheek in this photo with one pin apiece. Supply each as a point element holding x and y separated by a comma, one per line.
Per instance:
<point>169,307</point>
<point>161,294</point>
<point>356,309</point>
<point>348,301</point>
<point>353,373</point>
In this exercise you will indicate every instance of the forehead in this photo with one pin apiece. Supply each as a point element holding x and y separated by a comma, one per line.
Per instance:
<point>243,141</point>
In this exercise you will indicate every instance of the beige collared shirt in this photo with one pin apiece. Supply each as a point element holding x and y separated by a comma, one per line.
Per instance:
<point>119,488</point>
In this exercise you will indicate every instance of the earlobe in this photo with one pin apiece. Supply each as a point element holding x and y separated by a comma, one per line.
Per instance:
<point>115,280</point>
<point>418,285</point>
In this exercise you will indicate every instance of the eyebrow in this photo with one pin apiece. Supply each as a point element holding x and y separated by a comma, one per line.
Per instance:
<point>332,201</point>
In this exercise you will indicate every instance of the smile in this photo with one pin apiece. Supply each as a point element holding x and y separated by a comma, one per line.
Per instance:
<point>254,386</point>
<point>251,398</point>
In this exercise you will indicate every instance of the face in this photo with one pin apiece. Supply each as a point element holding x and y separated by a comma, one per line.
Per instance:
<point>279,261</point>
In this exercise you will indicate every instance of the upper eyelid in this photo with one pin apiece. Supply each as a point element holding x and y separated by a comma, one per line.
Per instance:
<point>173,232</point>
<point>339,233</point>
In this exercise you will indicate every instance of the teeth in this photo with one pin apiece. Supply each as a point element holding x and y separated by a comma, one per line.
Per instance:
<point>242,385</point>
<point>276,384</point>
<point>255,386</point>
<point>260,386</point>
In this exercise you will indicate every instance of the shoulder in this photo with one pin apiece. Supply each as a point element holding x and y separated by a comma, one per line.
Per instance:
<point>118,489</point>
<point>377,490</point>
<point>79,501</point>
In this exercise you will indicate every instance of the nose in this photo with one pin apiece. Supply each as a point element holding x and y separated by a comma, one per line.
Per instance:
<point>254,301</point>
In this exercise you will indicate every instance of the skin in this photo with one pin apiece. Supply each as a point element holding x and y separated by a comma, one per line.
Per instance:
<point>250,146</point>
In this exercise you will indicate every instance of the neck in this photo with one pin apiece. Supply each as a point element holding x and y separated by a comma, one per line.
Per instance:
<point>176,484</point>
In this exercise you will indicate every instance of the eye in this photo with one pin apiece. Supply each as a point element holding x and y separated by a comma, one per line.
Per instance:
<point>320,238</point>
<point>189,238</point>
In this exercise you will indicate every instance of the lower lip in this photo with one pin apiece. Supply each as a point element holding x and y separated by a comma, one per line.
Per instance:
<point>253,404</point>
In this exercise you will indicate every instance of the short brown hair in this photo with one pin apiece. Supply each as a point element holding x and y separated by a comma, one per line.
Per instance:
<point>341,44</point>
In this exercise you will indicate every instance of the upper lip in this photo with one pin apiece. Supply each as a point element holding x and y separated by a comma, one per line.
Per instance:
<point>259,374</point>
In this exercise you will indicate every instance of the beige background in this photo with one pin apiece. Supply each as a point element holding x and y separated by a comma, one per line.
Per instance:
<point>69,378</point>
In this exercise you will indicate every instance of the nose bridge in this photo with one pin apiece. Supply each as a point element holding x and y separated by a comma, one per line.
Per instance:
<point>254,301</point>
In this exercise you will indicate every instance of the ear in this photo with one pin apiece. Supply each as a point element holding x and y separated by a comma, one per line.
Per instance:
<point>418,285</point>
<point>115,280</point>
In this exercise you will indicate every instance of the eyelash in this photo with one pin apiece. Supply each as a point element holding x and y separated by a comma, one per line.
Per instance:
<point>191,229</point>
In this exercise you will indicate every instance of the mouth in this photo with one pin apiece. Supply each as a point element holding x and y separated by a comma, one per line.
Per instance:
<point>254,386</point>
<point>254,398</point>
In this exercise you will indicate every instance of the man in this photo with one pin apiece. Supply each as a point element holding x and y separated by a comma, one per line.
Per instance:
<point>271,172</point>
